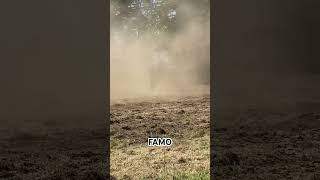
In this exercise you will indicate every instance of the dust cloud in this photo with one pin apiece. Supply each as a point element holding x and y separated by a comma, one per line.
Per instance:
<point>171,64</point>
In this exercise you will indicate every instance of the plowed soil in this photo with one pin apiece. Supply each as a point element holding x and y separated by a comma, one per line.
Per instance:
<point>44,150</point>
<point>261,144</point>
<point>184,119</point>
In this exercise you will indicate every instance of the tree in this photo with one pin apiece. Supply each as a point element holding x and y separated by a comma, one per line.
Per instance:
<point>138,17</point>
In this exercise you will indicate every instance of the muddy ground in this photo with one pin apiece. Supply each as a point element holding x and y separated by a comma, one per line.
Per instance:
<point>269,144</point>
<point>44,150</point>
<point>184,119</point>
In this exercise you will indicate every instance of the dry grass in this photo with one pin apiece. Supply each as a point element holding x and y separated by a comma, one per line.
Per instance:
<point>184,157</point>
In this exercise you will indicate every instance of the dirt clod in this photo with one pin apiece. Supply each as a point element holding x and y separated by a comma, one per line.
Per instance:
<point>182,111</point>
<point>161,131</point>
<point>126,128</point>
<point>182,160</point>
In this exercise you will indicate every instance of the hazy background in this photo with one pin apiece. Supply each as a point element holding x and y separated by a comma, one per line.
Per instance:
<point>53,60</point>
<point>144,30</point>
<point>265,53</point>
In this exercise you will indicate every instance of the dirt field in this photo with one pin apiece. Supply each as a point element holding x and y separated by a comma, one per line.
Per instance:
<point>45,150</point>
<point>184,119</point>
<point>261,144</point>
<point>42,150</point>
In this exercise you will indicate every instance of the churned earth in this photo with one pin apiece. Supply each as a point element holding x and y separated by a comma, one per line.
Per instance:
<point>269,144</point>
<point>184,119</point>
<point>44,150</point>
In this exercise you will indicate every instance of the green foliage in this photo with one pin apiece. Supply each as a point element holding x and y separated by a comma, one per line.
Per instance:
<point>156,17</point>
<point>140,16</point>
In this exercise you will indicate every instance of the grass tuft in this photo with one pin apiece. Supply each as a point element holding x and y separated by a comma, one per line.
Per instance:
<point>205,175</point>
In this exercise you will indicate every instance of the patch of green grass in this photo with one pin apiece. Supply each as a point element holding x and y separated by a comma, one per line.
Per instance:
<point>205,175</point>
<point>199,133</point>
<point>117,144</point>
